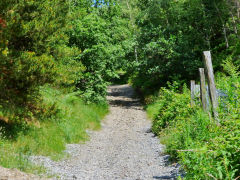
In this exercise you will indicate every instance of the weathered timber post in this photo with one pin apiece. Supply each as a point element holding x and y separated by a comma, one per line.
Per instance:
<point>203,91</point>
<point>192,92</point>
<point>211,82</point>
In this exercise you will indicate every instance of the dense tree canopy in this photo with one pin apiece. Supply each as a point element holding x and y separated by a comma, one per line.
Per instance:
<point>71,43</point>
<point>173,35</point>
<point>81,45</point>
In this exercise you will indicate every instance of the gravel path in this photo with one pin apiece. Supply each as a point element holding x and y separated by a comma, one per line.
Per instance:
<point>123,149</point>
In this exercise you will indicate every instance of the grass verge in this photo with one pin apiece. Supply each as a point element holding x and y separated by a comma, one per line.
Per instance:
<point>48,135</point>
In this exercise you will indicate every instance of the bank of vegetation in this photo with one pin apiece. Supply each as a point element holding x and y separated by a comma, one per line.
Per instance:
<point>172,38</point>
<point>205,149</point>
<point>58,57</point>
<point>56,60</point>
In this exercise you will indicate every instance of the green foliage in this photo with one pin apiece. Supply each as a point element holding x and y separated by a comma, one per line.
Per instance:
<point>48,137</point>
<point>205,150</point>
<point>172,107</point>
<point>80,46</point>
<point>30,35</point>
<point>71,44</point>
<point>68,69</point>
<point>173,34</point>
<point>104,40</point>
<point>21,76</point>
<point>35,26</point>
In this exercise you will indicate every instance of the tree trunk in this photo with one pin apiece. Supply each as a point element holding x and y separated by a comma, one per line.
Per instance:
<point>223,24</point>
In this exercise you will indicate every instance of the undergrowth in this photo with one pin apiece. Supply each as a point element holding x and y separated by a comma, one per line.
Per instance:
<point>204,149</point>
<point>64,120</point>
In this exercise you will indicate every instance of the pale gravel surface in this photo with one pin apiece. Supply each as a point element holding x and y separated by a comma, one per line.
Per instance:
<point>123,149</point>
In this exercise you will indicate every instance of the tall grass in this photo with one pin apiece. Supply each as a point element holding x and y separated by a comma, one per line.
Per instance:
<point>64,120</point>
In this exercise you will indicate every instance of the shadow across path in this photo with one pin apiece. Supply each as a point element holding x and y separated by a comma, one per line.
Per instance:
<point>123,95</point>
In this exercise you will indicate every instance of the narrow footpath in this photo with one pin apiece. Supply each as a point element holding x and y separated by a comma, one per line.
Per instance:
<point>123,149</point>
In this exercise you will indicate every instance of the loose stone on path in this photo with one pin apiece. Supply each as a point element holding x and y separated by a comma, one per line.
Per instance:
<point>123,149</point>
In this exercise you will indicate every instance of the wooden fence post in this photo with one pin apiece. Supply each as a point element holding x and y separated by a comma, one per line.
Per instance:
<point>203,92</point>
<point>211,83</point>
<point>192,92</point>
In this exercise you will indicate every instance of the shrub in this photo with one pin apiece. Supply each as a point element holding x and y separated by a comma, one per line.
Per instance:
<point>22,75</point>
<point>173,106</point>
<point>29,32</point>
